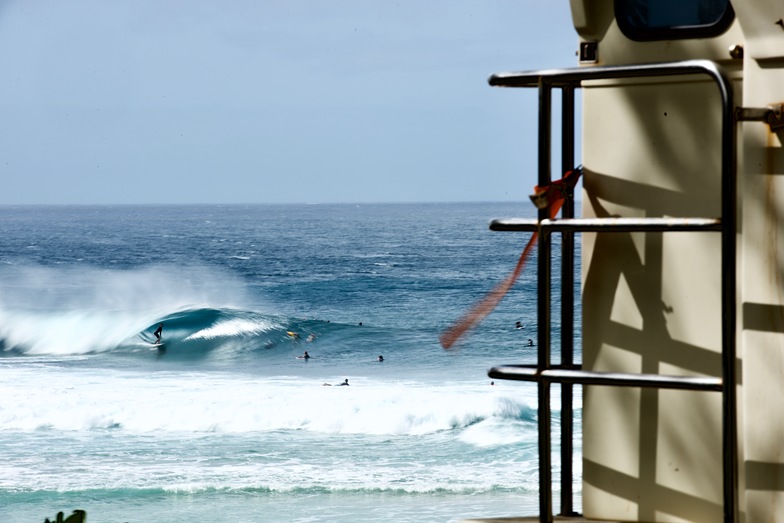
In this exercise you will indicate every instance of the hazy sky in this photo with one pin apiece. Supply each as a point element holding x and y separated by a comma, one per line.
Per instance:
<point>274,101</point>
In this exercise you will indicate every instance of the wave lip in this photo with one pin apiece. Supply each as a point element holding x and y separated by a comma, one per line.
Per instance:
<point>235,326</point>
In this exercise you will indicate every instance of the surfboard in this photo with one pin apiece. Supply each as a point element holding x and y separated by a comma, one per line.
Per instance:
<point>156,345</point>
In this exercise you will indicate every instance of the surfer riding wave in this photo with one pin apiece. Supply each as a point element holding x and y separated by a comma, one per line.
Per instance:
<point>158,333</point>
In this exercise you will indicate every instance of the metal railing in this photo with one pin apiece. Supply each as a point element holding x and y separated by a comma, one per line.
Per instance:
<point>567,373</point>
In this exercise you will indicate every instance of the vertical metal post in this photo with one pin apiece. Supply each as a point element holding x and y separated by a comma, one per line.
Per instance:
<point>728,298</point>
<point>567,306</point>
<point>543,313</point>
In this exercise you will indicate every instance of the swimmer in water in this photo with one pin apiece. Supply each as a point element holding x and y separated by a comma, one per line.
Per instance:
<point>380,358</point>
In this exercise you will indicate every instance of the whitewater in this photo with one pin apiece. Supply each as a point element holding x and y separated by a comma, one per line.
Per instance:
<point>225,420</point>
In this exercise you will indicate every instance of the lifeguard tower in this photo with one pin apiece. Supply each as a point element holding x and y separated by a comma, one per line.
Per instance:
<point>682,280</point>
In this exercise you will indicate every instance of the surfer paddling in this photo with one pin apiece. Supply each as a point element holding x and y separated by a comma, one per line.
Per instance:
<point>344,384</point>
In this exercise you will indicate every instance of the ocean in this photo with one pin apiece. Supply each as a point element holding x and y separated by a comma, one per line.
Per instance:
<point>226,421</point>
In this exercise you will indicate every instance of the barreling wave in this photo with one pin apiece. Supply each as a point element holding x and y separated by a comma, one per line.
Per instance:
<point>198,332</point>
<point>68,310</point>
<point>191,332</point>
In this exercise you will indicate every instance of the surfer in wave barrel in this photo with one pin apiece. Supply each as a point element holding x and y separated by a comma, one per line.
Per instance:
<point>158,333</point>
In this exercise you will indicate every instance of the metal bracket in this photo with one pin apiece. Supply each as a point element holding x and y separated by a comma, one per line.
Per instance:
<point>773,115</point>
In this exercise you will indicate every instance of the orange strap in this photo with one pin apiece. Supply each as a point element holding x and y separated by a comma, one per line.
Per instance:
<point>552,196</point>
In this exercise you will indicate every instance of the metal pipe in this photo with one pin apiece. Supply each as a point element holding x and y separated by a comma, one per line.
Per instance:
<point>609,225</point>
<point>567,306</point>
<point>575,77</point>
<point>543,314</point>
<point>615,379</point>
<point>728,298</point>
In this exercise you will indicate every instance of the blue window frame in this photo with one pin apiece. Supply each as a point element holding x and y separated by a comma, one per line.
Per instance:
<point>646,20</point>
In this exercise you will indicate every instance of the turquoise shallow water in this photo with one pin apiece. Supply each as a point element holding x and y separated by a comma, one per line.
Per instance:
<point>224,421</point>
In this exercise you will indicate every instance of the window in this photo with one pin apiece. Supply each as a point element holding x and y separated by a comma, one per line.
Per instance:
<point>646,20</point>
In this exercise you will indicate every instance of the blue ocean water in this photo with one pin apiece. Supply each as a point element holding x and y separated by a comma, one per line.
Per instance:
<point>224,421</point>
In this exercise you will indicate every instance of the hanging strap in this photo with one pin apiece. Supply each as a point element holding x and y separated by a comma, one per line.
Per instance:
<point>553,196</point>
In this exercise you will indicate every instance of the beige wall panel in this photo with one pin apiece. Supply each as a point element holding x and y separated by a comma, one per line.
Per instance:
<point>691,296</point>
<point>651,302</point>
<point>762,282</point>
<point>764,34</point>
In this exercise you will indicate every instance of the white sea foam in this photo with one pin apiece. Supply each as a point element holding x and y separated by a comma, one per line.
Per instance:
<point>192,432</point>
<point>135,402</point>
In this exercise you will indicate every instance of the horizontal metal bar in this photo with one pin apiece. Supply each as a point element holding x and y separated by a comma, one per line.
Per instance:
<point>773,115</point>
<point>515,224</point>
<point>574,77</point>
<point>752,114</point>
<point>617,379</point>
<point>608,225</point>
